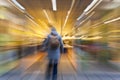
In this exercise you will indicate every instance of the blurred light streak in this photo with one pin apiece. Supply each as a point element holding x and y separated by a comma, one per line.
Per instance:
<point>111,4</point>
<point>71,38</point>
<point>2,16</point>
<point>4,3</point>
<point>92,38</point>
<point>68,13</point>
<point>99,23</point>
<point>32,20</point>
<point>103,22</point>
<point>112,31</point>
<point>115,36</point>
<point>112,20</point>
<point>47,16</point>
<point>91,5</point>
<point>44,24</point>
<point>72,58</point>
<point>17,28</point>
<point>81,16</point>
<point>86,18</point>
<point>84,21</point>
<point>94,6</point>
<point>26,13</point>
<point>66,19</point>
<point>35,30</point>
<point>17,5</point>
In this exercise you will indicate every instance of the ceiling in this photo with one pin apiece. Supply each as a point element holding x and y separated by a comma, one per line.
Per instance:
<point>70,18</point>
<point>40,9</point>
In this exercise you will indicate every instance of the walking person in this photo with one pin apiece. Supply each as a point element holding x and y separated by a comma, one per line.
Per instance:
<point>54,46</point>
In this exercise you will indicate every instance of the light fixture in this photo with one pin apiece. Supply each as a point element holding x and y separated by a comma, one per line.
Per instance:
<point>17,5</point>
<point>95,5</point>
<point>112,20</point>
<point>81,16</point>
<point>54,5</point>
<point>90,6</point>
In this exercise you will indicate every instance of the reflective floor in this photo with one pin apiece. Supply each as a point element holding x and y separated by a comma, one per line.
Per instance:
<point>33,67</point>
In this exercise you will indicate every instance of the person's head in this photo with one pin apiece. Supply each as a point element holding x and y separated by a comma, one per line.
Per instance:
<point>53,30</point>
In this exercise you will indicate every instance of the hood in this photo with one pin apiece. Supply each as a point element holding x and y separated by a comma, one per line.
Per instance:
<point>53,31</point>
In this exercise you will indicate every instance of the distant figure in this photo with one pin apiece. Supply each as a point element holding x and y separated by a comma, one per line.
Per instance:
<point>53,44</point>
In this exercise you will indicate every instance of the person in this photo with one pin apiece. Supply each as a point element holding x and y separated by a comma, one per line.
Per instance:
<point>53,55</point>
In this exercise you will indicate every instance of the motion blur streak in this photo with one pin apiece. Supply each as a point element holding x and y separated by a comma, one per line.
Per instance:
<point>90,30</point>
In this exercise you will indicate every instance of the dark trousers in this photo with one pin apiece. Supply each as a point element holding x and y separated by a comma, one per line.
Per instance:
<point>52,70</point>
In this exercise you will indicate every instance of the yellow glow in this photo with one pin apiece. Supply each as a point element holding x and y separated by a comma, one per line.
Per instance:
<point>115,31</point>
<point>93,38</point>
<point>2,16</point>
